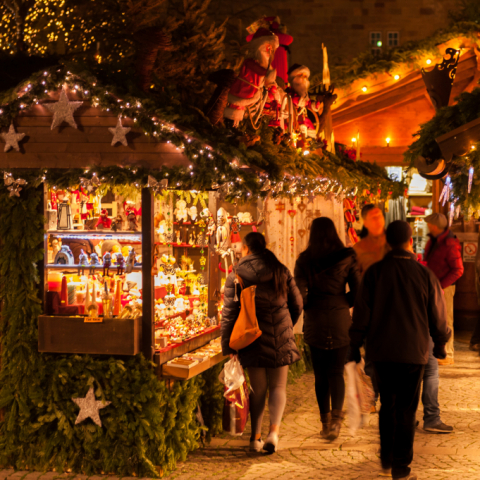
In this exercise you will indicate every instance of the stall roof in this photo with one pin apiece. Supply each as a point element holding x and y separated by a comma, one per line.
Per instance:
<point>165,135</point>
<point>395,104</point>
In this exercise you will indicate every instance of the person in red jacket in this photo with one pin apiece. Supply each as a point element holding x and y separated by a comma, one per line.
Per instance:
<point>443,256</point>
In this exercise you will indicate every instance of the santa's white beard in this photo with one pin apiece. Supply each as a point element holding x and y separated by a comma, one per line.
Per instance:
<point>262,57</point>
<point>301,86</point>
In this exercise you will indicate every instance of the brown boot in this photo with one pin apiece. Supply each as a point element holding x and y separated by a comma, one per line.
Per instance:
<point>326,418</point>
<point>337,418</point>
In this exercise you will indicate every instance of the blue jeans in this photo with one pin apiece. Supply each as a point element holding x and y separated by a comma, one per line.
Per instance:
<point>431,381</point>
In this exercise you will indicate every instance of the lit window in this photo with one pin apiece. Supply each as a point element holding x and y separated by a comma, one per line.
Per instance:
<point>393,39</point>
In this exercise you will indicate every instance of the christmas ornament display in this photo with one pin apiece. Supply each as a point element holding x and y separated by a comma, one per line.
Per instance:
<point>11,139</point>
<point>90,407</point>
<point>119,133</point>
<point>63,110</point>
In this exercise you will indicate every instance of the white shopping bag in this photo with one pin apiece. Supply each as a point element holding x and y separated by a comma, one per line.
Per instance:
<point>359,394</point>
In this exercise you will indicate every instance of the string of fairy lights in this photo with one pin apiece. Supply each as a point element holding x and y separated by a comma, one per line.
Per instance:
<point>239,181</point>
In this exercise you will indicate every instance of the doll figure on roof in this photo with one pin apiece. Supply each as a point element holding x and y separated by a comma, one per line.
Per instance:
<point>103,223</point>
<point>280,60</point>
<point>256,73</point>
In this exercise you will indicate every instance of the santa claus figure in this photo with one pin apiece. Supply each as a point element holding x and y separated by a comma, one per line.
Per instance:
<point>280,61</point>
<point>299,76</point>
<point>255,74</point>
<point>104,223</point>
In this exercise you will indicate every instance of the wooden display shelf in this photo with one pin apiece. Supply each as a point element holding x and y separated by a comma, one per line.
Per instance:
<point>105,233</point>
<point>59,334</point>
<point>416,216</point>
<point>112,268</point>
<point>172,351</point>
<point>186,373</point>
<point>419,194</point>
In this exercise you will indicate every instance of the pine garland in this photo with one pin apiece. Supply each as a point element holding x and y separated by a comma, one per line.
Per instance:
<point>447,119</point>
<point>214,153</point>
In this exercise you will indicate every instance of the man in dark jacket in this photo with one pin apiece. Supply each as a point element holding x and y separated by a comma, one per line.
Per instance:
<point>443,255</point>
<point>399,307</point>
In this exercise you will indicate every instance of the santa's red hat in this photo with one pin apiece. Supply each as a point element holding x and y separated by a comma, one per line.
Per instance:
<point>296,70</point>
<point>263,36</point>
<point>104,211</point>
<point>274,25</point>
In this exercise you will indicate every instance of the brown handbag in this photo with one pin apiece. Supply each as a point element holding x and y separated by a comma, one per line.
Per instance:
<point>246,329</point>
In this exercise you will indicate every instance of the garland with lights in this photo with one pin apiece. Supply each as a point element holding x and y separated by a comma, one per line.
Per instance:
<point>462,186</point>
<point>412,53</point>
<point>158,116</point>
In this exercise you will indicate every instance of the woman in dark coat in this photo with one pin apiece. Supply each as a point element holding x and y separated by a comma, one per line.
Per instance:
<point>322,272</point>
<point>278,306</point>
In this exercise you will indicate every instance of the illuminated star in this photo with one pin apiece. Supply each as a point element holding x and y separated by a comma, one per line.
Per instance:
<point>63,110</point>
<point>11,139</point>
<point>119,133</point>
<point>90,408</point>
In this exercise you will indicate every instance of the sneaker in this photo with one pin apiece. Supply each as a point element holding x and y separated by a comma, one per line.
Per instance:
<point>439,428</point>
<point>271,442</point>
<point>445,361</point>
<point>386,472</point>
<point>474,347</point>
<point>256,445</point>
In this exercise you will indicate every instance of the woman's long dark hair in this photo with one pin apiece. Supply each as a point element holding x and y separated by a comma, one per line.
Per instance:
<point>257,245</point>
<point>323,239</point>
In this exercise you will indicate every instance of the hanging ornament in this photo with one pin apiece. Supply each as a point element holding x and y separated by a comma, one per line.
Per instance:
<point>470,179</point>
<point>14,186</point>
<point>90,408</point>
<point>11,139</point>
<point>278,187</point>
<point>267,185</point>
<point>90,185</point>
<point>119,133</point>
<point>292,213</point>
<point>457,210</point>
<point>158,187</point>
<point>301,232</point>
<point>63,110</point>
<point>445,191</point>
<point>280,207</point>
<point>451,213</point>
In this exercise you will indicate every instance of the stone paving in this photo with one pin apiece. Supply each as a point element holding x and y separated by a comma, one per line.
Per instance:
<point>304,455</point>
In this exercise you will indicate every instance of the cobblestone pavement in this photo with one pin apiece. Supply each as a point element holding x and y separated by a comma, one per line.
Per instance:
<point>304,455</point>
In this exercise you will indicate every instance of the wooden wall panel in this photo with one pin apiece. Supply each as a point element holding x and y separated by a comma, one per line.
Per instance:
<point>88,145</point>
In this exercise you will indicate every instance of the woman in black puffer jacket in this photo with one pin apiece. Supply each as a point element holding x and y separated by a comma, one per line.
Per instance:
<point>322,272</point>
<point>278,305</point>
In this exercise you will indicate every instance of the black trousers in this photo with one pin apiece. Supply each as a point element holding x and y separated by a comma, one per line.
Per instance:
<point>476,333</point>
<point>399,386</point>
<point>328,366</point>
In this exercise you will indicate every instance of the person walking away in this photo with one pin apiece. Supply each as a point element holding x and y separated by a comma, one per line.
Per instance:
<point>443,255</point>
<point>399,307</point>
<point>371,249</point>
<point>322,272</point>
<point>278,306</point>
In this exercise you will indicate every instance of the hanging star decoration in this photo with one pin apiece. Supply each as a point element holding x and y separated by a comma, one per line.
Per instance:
<point>63,110</point>
<point>267,185</point>
<point>157,186</point>
<point>14,186</point>
<point>90,408</point>
<point>119,133</point>
<point>11,139</point>
<point>90,185</point>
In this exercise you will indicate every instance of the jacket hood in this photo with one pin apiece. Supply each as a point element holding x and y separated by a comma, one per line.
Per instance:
<point>252,268</point>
